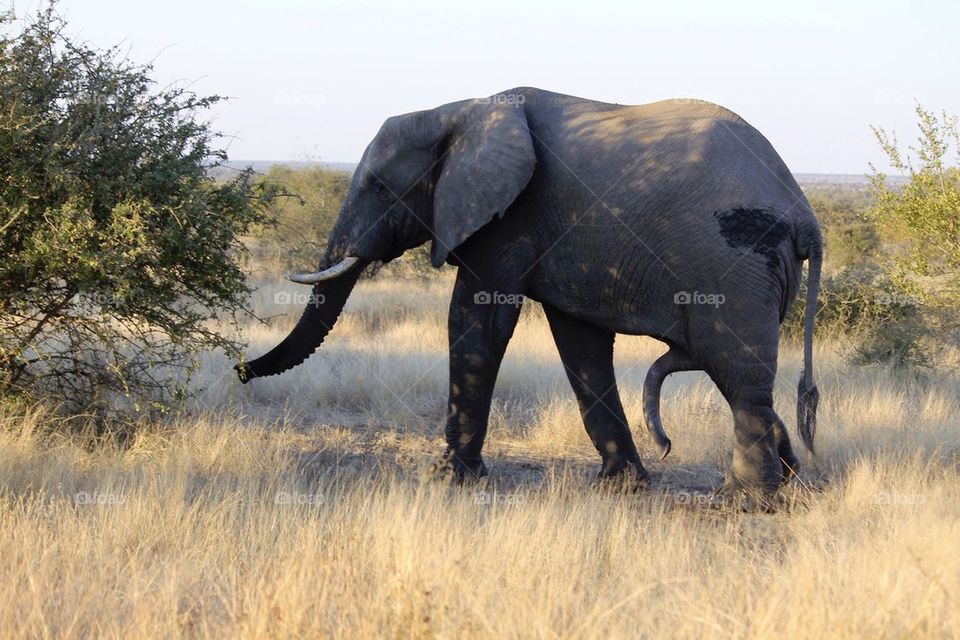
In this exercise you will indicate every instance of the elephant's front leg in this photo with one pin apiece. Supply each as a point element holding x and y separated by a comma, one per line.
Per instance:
<point>479,330</point>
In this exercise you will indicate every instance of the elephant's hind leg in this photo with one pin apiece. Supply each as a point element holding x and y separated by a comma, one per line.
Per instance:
<point>789,460</point>
<point>672,361</point>
<point>587,355</point>
<point>760,442</point>
<point>740,355</point>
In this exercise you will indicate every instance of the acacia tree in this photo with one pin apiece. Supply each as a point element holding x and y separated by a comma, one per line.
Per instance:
<point>924,214</point>
<point>920,225</point>
<point>117,248</point>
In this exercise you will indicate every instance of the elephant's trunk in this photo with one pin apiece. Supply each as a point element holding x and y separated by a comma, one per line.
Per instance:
<point>318,318</point>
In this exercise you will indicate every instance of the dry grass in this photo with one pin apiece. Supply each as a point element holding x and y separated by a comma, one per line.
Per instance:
<point>294,506</point>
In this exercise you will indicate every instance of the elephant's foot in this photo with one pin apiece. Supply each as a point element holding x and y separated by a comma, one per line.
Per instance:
<point>790,464</point>
<point>621,476</point>
<point>454,468</point>
<point>757,471</point>
<point>737,495</point>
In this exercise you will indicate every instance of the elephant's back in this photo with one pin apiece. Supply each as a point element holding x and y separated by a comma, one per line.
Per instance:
<point>669,150</point>
<point>669,108</point>
<point>601,119</point>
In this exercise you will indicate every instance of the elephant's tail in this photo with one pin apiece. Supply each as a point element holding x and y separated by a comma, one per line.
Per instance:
<point>807,394</point>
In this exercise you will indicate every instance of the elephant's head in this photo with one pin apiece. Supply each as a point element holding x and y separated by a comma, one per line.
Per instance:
<point>435,175</point>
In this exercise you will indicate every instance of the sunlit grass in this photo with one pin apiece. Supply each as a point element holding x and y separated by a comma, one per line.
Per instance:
<point>295,505</point>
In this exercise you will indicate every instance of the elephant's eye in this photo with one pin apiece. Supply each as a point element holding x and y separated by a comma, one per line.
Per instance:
<point>383,193</point>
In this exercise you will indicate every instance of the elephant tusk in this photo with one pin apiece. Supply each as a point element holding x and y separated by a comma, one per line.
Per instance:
<point>327,274</point>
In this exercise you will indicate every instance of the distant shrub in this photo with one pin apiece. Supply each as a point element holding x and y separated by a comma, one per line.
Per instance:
<point>839,204</point>
<point>851,300</point>
<point>851,238</point>
<point>304,218</point>
<point>883,322</point>
<point>852,244</point>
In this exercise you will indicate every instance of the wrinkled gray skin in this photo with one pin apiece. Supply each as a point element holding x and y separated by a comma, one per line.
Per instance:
<point>618,219</point>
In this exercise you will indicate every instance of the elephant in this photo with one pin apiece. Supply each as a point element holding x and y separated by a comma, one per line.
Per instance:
<point>675,220</point>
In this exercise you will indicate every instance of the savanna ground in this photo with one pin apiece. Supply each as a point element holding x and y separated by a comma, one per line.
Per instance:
<point>296,505</point>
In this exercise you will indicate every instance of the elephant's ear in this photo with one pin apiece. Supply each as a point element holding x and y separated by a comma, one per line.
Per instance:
<point>489,162</point>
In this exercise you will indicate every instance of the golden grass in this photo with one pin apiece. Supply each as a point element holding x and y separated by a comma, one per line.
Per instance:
<point>294,506</point>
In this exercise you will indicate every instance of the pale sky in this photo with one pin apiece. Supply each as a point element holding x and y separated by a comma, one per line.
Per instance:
<point>314,79</point>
